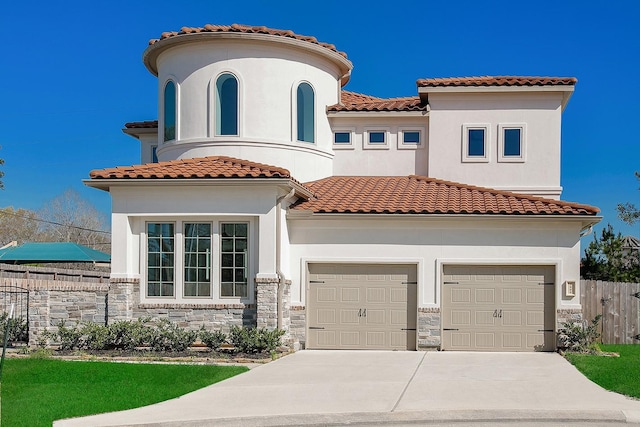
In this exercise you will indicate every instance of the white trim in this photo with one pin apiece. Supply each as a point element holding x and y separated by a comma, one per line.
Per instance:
<point>410,145</point>
<point>523,145</point>
<point>294,113</point>
<point>466,158</point>
<point>176,137</point>
<point>215,221</point>
<point>211,104</point>
<point>343,145</point>
<point>366,145</point>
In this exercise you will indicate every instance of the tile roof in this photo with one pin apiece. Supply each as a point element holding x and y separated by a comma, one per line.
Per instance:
<point>351,101</point>
<point>203,167</point>
<point>421,195</point>
<point>239,28</point>
<point>147,124</point>
<point>497,81</point>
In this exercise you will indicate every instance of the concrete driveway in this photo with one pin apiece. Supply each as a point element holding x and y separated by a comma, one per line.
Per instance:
<point>376,387</point>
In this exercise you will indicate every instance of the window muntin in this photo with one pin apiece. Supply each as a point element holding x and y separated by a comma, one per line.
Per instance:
<point>169,111</point>
<point>233,259</point>
<point>411,137</point>
<point>160,259</point>
<point>154,153</point>
<point>475,143</point>
<point>305,104</point>
<point>342,137</point>
<point>197,260</point>
<point>227,105</point>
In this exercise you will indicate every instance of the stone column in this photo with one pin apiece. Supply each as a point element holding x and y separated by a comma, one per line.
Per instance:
<point>124,295</point>
<point>267,303</point>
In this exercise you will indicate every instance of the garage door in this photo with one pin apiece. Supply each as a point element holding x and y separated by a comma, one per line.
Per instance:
<point>361,307</point>
<point>498,308</point>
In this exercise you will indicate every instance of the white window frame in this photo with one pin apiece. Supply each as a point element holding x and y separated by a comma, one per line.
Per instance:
<point>410,145</point>
<point>215,261</point>
<point>376,145</point>
<point>465,143</point>
<point>523,146</point>
<point>344,146</point>
<point>294,113</point>
<point>161,121</point>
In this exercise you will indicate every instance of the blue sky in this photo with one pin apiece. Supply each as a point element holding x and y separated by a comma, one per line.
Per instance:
<point>72,75</point>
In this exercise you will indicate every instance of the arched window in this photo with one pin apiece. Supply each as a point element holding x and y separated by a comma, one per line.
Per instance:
<point>169,111</point>
<point>305,103</point>
<point>227,105</point>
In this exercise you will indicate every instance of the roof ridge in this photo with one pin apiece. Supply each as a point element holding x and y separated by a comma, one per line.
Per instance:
<point>504,80</point>
<point>243,28</point>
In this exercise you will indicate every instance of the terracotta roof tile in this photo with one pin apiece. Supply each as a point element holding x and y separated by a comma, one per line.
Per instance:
<point>203,167</point>
<point>351,101</point>
<point>422,195</point>
<point>497,81</point>
<point>147,124</point>
<point>238,28</point>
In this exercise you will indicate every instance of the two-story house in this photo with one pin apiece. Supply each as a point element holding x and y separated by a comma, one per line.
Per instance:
<point>269,196</point>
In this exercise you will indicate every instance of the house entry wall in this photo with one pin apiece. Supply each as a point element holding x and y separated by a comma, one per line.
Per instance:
<point>498,308</point>
<point>355,306</point>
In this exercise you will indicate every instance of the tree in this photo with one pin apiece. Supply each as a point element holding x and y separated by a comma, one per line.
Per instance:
<point>606,258</point>
<point>20,225</point>
<point>628,211</point>
<point>70,218</point>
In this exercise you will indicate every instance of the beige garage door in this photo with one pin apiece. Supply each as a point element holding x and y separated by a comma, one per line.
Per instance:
<point>498,308</point>
<point>361,307</point>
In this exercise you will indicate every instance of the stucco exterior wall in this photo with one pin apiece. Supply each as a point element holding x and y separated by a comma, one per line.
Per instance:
<point>538,174</point>
<point>393,158</point>
<point>133,207</point>
<point>431,243</point>
<point>268,75</point>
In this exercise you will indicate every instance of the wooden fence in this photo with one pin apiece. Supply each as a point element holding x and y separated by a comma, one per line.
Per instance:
<point>619,305</point>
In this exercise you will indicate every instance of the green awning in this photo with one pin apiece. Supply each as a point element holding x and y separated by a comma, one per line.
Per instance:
<point>51,252</point>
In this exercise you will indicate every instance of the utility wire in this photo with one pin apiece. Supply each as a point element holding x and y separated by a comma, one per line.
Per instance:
<point>53,222</point>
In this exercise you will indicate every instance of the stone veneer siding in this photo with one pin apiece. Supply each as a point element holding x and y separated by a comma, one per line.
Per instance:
<point>429,328</point>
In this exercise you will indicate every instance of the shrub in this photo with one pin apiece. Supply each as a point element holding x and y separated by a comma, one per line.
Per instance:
<point>212,339</point>
<point>18,328</point>
<point>94,336</point>
<point>127,334</point>
<point>70,337</point>
<point>167,336</point>
<point>255,340</point>
<point>578,336</point>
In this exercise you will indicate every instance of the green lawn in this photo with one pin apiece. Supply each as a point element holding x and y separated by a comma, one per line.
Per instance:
<point>619,374</point>
<point>37,391</point>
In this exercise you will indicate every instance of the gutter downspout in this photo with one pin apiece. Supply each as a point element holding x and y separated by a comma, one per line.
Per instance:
<point>281,278</point>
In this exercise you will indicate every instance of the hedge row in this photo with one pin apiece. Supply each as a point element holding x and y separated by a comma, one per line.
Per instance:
<point>159,335</point>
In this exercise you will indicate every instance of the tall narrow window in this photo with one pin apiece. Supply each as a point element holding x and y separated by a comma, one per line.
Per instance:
<point>233,263</point>
<point>169,111</point>
<point>160,259</point>
<point>226,105</point>
<point>197,259</point>
<point>305,104</point>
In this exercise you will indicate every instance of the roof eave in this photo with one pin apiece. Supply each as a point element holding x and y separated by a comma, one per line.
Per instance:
<point>105,183</point>
<point>138,132</point>
<point>422,113</point>
<point>151,53</point>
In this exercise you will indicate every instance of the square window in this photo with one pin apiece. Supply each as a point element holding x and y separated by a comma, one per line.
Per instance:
<point>342,138</point>
<point>475,143</point>
<point>376,138</point>
<point>512,142</point>
<point>411,137</point>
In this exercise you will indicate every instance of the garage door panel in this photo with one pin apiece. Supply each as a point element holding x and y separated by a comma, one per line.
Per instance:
<point>326,316</point>
<point>374,306</point>
<point>524,308</point>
